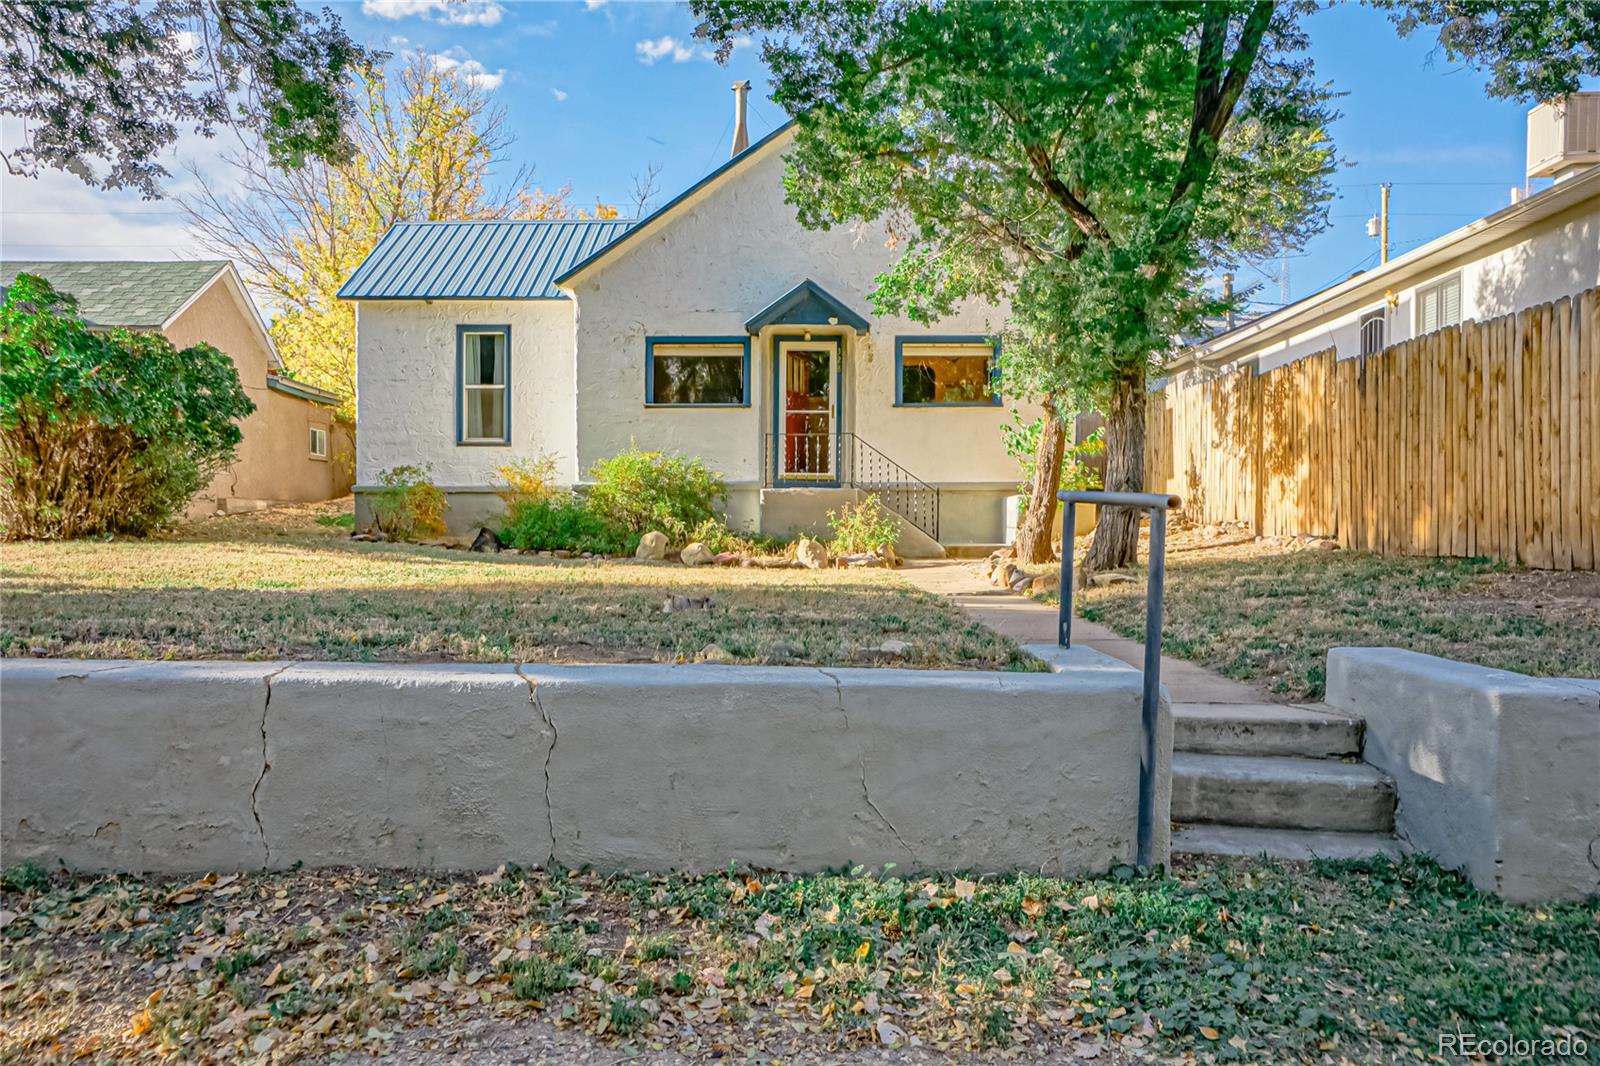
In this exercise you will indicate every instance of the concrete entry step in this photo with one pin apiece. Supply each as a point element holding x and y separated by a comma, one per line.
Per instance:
<point>1281,792</point>
<point>1312,732</point>
<point>1298,844</point>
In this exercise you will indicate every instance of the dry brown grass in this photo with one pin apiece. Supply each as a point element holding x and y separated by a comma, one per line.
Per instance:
<point>281,584</point>
<point>1266,613</point>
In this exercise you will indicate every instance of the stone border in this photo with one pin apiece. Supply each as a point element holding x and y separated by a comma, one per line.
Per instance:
<point>181,767</point>
<point>1497,773</point>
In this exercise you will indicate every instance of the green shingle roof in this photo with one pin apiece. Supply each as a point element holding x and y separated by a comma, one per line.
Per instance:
<point>121,293</point>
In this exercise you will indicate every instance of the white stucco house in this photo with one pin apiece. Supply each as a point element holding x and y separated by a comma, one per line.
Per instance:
<point>1542,247</point>
<point>717,326</point>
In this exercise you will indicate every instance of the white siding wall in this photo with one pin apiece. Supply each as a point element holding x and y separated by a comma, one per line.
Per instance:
<point>1559,258</point>
<point>722,259</point>
<point>406,382</point>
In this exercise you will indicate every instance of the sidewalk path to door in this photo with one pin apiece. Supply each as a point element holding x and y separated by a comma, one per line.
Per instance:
<point>1029,622</point>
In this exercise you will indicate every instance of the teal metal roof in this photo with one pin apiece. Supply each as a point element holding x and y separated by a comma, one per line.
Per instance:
<point>477,260</point>
<point>132,294</point>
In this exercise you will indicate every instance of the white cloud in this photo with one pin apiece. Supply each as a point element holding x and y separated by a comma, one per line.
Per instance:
<point>594,4</point>
<point>668,46</point>
<point>559,94</point>
<point>470,70</point>
<point>449,12</point>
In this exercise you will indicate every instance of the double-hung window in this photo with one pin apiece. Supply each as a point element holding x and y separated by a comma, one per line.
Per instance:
<point>945,371</point>
<point>483,371</point>
<point>1439,305</point>
<point>319,442</point>
<point>697,371</point>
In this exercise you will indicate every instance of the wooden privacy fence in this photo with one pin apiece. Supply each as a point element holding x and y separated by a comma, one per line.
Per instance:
<point>1479,439</point>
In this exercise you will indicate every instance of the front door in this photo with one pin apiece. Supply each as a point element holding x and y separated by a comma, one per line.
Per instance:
<point>808,410</point>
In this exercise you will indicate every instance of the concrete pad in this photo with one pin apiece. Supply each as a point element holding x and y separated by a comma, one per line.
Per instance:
<point>1264,729</point>
<point>1301,845</point>
<point>1278,792</point>
<point>104,767</point>
<point>433,766</point>
<point>1498,773</point>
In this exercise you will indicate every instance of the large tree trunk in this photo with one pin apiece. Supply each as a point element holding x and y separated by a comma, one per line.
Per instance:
<point>1035,528</point>
<point>1116,534</point>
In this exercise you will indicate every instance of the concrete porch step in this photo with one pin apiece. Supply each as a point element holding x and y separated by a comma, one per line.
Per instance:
<point>1298,844</point>
<point>1307,731</point>
<point>1281,792</point>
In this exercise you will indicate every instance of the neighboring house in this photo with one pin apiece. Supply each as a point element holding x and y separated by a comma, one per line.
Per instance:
<point>1541,248</point>
<point>294,449</point>
<point>717,327</point>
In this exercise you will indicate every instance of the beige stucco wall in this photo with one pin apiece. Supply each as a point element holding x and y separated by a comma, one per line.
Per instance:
<point>274,461</point>
<point>724,256</point>
<point>406,387</point>
<point>1554,257</point>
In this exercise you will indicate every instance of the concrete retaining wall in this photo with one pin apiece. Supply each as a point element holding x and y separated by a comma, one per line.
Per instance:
<point>1497,773</point>
<point>178,767</point>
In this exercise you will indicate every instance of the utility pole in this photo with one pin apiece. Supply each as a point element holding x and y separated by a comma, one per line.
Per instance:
<point>1383,226</point>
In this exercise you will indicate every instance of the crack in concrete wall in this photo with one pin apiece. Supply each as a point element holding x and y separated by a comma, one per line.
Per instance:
<point>549,754</point>
<point>866,791</point>
<point>266,768</point>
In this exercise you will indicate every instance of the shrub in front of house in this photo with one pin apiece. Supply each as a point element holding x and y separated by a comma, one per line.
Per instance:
<point>563,521</point>
<point>640,491</point>
<point>407,504</point>
<point>862,527</point>
<point>104,432</point>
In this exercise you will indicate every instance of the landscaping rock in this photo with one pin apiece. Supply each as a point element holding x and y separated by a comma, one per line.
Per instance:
<point>1111,577</point>
<point>730,559</point>
<point>1046,582</point>
<point>1004,575</point>
<point>715,653</point>
<point>894,647</point>
<point>784,651</point>
<point>811,554</point>
<point>562,553</point>
<point>1022,581</point>
<point>653,545</point>
<point>486,541</point>
<point>887,554</point>
<point>687,603</point>
<point>697,554</point>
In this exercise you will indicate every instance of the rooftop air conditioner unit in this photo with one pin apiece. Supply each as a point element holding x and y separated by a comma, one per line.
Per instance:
<point>1564,136</point>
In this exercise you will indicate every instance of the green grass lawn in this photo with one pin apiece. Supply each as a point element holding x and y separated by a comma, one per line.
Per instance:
<point>1268,615</point>
<point>291,584</point>
<point>1224,960</point>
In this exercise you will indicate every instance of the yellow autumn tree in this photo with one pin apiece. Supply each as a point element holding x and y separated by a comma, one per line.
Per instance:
<point>428,143</point>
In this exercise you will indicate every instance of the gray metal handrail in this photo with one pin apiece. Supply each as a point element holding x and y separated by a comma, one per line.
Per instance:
<point>1158,505</point>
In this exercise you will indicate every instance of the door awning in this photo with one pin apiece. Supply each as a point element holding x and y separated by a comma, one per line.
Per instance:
<point>807,304</point>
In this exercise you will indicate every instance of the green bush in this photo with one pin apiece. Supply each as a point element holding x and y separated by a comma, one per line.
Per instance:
<point>715,534</point>
<point>104,432</point>
<point>408,504</point>
<point>563,521</point>
<point>640,491</point>
<point>862,528</point>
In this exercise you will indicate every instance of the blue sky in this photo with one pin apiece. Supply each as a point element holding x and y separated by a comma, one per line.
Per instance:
<point>596,92</point>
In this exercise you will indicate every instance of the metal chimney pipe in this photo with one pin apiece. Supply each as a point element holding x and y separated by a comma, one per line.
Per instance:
<point>741,127</point>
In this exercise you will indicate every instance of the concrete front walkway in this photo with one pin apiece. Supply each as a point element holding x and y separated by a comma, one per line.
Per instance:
<point>1029,622</point>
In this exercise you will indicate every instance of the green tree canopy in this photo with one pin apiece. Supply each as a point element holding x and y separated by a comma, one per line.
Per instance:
<point>110,82</point>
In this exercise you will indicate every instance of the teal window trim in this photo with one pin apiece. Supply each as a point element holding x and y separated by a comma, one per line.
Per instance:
<point>650,342</point>
<point>900,342</point>
<point>461,388</point>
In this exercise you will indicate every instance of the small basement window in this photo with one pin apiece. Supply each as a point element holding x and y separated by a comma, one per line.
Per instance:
<point>1373,329</point>
<point>483,364</point>
<point>319,442</point>
<point>1439,305</point>
<point>945,372</point>
<point>697,371</point>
